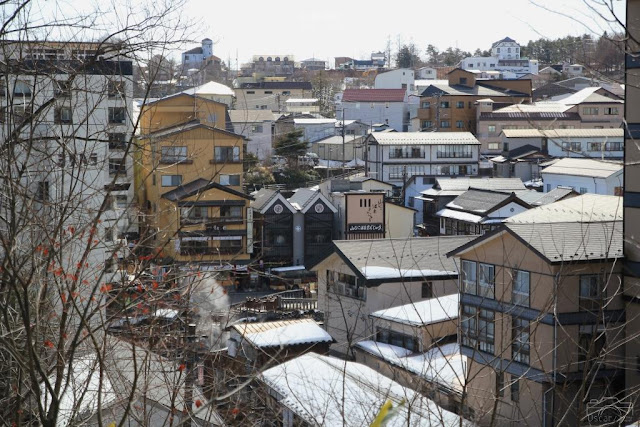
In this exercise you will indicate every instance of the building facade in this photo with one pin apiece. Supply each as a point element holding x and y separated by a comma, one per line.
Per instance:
<point>270,95</point>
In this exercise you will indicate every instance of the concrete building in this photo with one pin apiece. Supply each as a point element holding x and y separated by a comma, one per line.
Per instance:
<point>66,113</point>
<point>388,106</point>
<point>538,307</point>
<point>196,57</point>
<point>451,107</point>
<point>505,57</point>
<point>302,105</point>
<point>584,176</point>
<point>313,64</point>
<point>277,65</point>
<point>394,157</point>
<point>270,95</point>
<point>402,78</point>
<point>257,127</point>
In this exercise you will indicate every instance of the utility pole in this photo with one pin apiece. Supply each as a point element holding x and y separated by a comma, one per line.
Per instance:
<point>343,141</point>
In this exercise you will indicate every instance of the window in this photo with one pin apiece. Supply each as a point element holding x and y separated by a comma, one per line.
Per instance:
<point>463,80</point>
<point>571,146</point>
<point>594,146</point>
<point>388,336</point>
<point>486,330</point>
<point>194,247</point>
<point>515,388</point>
<point>486,281</point>
<point>427,290</point>
<point>257,129</point>
<point>117,141</point>
<point>469,326</point>
<point>268,92</point>
<point>469,277</point>
<point>117,166</point>
<point>454,151</point>
<point>520,293</point>
<point>173,154</point>
<point>120,202</point>
<point>493,146</point>
<point>227,154</point>
<point>583,190</point>
<point>613,146</point>
<point>406,152</point>
<point>229,179</point>
<point>445,124</point>
<point>62,88</point>
<point>171,180</point>
<point>500,384</point>
<point>286,92</point>
<point>591,342</point>
<point>22,89</point>
<point>444,104</point>
<point>194,214</point>
<point>590,111</point>
<point>426,124</point>
<point>591,292</point>
<point>115,89</point>
<point>230,246</point>
<point>610,111</point>
<point>251,92</point>
<point>520,347</point>
<point>230,212</point>
<point>491,128</point>
<point>426,104</point>
<point>62,115</point>
<point>460,124</point>
<point>346,284</point>
<point>117,114</point>
<point>459,104</point>
<point>42,191</point>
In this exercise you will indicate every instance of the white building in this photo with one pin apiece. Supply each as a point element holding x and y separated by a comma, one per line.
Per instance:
<point>394,157</point>
<point>195,57</point>
<point>373,106</point>
<point>77,170</point>
<point>426,73</point>
<point>585,176</point>
<point>505,57</point>
<point>402,78</point>
<point>257,127</point>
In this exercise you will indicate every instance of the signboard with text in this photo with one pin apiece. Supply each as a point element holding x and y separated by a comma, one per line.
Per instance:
<point>365,228</point>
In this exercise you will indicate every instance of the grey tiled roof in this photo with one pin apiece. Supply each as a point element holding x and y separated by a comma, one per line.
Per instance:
<point>572,241</point>
<point>302,196</point>
<point>478,201</point>
<point>554,195</point>
<point>198,186</point>
<point>262,197</point>
<point>421,254</point>
<point>477,90</point>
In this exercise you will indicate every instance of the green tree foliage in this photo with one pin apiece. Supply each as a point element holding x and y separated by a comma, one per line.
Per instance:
<point>291,145</point>
<point>407,57</point>
<point>296,177</point>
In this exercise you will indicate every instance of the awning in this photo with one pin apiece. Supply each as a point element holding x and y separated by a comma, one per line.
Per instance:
<point>499,159</point>
<point>461,216</point>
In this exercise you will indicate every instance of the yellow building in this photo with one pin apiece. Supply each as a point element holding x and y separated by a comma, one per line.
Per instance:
<point>190,182</point>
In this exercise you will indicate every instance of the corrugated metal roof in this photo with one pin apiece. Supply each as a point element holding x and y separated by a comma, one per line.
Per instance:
<point>535,107</point>
<point>402,256</point>
<point>564,133</point>
<point>477,90</point>
<point>478,201</point>
<point>425,138</point>
<point>554,195</point>
<point>583,208</point>
<point>588,95</point>
<point>283,332</point>
<point>374,95</point>
<point>584,167</point>
<point>572,241</point>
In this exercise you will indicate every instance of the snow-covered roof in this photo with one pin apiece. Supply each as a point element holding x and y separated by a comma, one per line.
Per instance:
<point>422,313</point>
<point>424,138</point>
<point>210,88</point>
<point>375,272</point>
<point>283,333</point>
<point>461,216</point>
<point>323,121</point>
<point>591,168</point>
<point>586,95</point>
<point>444,365</point>
<point>583,208</point>
<point>290,268</point>
<point>300,100</point>
<point>324,390</point>
<point>536,107</point>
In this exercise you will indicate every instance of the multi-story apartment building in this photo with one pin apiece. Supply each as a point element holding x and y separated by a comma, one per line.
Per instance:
<point>452,107</point>
<point>382,106</point>
<point>270,65</point>
<point>191,183</point>
<point>270,95</point>
<point>66,129</point>
<point>542,313</point>
<point>394,157</point>
<point>257,127</point>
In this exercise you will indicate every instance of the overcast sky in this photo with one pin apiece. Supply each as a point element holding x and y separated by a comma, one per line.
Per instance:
<point>328,28</point>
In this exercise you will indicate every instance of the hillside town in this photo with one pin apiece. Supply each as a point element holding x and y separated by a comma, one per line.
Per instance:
<point>382,240</point>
